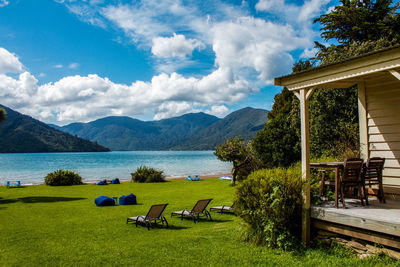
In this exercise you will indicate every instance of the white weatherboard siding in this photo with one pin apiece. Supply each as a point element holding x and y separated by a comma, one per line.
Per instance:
<point>383,116</point>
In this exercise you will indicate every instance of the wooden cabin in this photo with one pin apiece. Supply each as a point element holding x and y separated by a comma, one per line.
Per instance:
<point>377,77</point>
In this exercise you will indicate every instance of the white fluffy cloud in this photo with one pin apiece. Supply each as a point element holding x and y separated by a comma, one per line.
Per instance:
<point>17,92</point>
<point>175,46</point>
<point>292,12</point>
<point>83,98</point>
<point>256,44</point>
<point>9,62</point>
<point>3,3</point>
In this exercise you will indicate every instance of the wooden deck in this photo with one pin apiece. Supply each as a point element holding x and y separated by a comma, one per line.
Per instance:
<point>379,223</point>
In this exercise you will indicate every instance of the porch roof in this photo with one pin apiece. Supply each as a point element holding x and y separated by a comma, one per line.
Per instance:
<point>372,66</point>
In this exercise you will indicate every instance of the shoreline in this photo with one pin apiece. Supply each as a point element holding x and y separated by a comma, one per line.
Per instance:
<point>168,178</point>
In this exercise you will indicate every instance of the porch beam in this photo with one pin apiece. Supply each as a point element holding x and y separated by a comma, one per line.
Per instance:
<point>304,95</point>
<point>395,74</point>
<point>297,94</point>
<point>309,93</point>
<point>363,120</point>
<point>352,71</point>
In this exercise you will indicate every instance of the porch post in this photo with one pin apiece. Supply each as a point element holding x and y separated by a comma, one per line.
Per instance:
<point>363,121</point>
<point>304,96</point>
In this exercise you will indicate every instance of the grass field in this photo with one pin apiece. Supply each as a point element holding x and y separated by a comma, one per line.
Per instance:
<point>61,226</point>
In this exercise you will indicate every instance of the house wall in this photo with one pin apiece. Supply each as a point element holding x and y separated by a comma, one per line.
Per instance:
<point>383,125</point>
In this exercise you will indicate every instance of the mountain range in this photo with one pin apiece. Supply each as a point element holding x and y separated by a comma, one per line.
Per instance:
<point>192,131</point>
<point>22,134</point>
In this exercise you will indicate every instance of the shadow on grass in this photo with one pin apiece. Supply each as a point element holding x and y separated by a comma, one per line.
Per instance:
<point>160,226</point>
<point>16,187</point>
<point>201,220</point>
<point>39,199</point>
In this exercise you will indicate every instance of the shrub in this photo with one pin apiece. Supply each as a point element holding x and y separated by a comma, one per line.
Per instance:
<point>63,177</point>
<point>241,154</point>
<point>269,204</point>
<point>146,174</point>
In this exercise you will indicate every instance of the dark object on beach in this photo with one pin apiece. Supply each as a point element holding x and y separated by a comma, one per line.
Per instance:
<point>104,201</point>
<point>154,214</point>
<point>115,181</point>
<point>144,174</point>
<point>198,210</point>
<point>104,182</point>
<point>128,200</point>
<point>63,177</point>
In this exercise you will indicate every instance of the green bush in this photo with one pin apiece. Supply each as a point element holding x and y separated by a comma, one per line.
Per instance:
<point>146,174</point>
<point>269,204</point>
<point>63,177</point>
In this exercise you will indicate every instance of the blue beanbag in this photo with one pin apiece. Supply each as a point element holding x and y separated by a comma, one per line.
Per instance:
<point>127,200</point>
<point>115,181</point>
<point>104,182</point>
<point>104,201</point>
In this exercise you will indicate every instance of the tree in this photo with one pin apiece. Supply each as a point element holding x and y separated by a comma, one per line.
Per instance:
<point>361,20</point>
<point>334,122</point>
<point>278,143</point>
<point>2,114</point>
<point>359,26</point>
<point>242,156</point>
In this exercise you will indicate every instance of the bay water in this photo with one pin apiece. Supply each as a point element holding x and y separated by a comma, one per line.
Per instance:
<point>31,168</point>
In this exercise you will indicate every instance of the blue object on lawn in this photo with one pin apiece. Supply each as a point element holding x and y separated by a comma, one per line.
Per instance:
<point>128,200</point>
<point>13,183</point>
<point>104,201</point>
<point>115,181</point>
<point>193,177</point>
<point>226,178</point>
<point>104,182</point>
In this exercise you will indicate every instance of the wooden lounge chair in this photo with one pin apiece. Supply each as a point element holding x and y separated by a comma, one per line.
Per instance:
<point>351,177</point>
<point>154,214</point>
<point>372,175</point>
<point>224,208</point>
<point>198,210</point>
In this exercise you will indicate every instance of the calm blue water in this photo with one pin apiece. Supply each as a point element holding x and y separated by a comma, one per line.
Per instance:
<point>33,167</point>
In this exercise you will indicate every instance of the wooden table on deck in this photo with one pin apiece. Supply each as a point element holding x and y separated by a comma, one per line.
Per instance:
<point>337,166</point>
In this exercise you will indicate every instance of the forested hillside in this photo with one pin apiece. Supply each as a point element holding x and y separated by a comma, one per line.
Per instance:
<point>197,131</point>
<point>22,134</point>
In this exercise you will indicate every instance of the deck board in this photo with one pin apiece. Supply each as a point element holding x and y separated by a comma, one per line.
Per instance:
<point>383,218</point>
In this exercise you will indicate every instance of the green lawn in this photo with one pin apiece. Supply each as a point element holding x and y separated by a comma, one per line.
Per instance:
<point>61,226</point>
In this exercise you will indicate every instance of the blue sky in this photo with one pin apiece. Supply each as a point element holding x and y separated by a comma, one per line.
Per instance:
<point>64,61</point>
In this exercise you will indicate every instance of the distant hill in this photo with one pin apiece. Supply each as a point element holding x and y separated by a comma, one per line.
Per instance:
<point>198,131</point>
<point>245,122</point>
<point>125,133</point>
<point>22,134</point>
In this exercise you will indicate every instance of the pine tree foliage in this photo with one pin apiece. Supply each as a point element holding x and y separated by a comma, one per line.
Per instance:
<point>359,27</point>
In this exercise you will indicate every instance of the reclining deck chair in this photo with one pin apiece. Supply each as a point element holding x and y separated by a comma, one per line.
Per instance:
<point>198,210</point>
<point>154,214</point>
<point>224,208</point>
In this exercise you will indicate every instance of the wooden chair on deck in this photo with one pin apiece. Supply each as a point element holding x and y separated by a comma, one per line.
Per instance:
<point>351,176</point>
<point>372,175</point>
